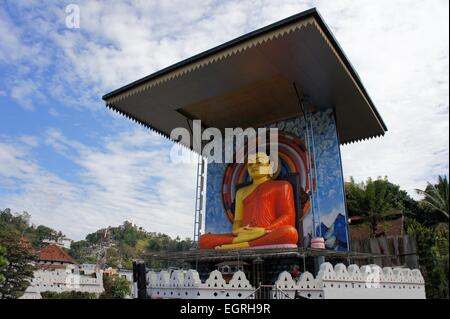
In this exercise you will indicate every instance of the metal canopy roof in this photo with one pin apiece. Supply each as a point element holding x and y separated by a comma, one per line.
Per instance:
<point>249,82</point>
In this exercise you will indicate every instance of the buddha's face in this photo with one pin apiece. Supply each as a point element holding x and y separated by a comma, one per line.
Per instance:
<point>259,165</point>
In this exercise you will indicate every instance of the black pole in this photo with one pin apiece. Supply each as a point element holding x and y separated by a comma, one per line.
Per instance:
<point>318,260</point>
<point>135,278</point>
<point>141,281</point>
<point>258,276</point>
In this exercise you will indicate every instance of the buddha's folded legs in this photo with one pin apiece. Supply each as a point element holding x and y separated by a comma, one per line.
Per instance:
<point>279,236</point>
<point>209,241</point>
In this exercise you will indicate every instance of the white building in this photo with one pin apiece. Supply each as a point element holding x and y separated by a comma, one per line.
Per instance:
<point>63,242</point>
<point>58,272</point>
<point>63,279</point>
<point>88,269</point>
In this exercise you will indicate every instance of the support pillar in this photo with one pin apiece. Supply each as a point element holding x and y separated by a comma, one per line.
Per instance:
<point>258,276</point>
<point>318,260</point>
<point>139,280</point>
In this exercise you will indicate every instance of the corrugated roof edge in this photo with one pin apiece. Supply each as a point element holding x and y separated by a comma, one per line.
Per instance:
<point>204,54</point>
<point>146,125</point>
<point>159,132</point>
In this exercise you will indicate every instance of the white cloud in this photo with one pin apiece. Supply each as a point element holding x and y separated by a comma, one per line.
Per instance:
<point>53,112</point>
<point>130,178</point>
<point>12,47</point>
<point>402,57</point>
<point>26,93</point>
<point>29,140</point>
<point>400,49</point>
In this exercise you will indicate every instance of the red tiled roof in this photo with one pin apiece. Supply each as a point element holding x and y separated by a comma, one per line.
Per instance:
<point>55,253</point>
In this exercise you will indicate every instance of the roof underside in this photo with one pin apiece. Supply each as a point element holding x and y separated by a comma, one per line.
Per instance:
<point>249,82</point>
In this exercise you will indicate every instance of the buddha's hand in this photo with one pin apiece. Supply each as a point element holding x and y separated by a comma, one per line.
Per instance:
<point>247,233</point>
<point>248,230</point>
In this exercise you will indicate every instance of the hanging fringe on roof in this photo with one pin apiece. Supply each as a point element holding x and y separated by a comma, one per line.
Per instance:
<point>160,79</point>
<point>151,128</point>
<point>362,139</point>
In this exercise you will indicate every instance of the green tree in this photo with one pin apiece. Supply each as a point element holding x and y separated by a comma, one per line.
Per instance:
<point>124,243</point>
<point>80,251</point>
<point>68,295</point>
<point>141,245</point>
<point>113,257</point>
<point>436,196</point>
<point>115,287</point>
<point>20,222</point>
<point>432,249</point>
<point>127,264</point>
<point>372,200</point>
<point>18,270</point>
<point>3,261</point>
<point>43,232</point>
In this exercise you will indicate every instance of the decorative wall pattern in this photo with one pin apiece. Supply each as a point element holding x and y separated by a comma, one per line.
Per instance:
<point>292,159</point>
<point>187,285</point>
<point>367,282</point>
<point>333,218</point>
<point>332,223</point>
<point>216,220</point>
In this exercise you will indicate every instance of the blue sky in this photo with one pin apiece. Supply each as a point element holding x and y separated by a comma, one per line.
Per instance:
<point>76,166</point>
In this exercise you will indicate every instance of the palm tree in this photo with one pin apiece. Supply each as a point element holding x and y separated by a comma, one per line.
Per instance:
<point>436,196</point>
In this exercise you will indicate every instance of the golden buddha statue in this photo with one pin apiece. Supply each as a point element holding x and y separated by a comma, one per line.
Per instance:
<point>264,211</point>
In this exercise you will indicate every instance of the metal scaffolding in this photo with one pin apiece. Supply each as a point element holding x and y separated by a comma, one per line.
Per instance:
<point>199,199</point>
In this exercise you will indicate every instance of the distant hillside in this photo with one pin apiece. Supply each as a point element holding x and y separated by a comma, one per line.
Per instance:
<point>118,246</point>
<point>20,223</point>
<point>110,247</point>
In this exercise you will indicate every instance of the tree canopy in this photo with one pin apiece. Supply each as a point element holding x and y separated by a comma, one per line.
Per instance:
<point>436,197</point>
<point>118,246</point>
<point>2,261</point>
<point>372,200</point>
<point>20,222</point>
<point>426,220</point>
<point>68,295</point>
<point>116,287</point>
<point>18,270</point>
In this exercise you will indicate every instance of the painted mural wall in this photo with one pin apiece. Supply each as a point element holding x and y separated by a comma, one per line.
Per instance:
<point>331,219</point>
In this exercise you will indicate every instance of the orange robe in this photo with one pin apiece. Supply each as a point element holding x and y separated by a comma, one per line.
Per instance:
<point>271,206</point>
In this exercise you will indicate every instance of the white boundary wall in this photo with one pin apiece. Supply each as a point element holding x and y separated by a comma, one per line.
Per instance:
<point>367,282</point>
<point>370,282</point>
<point>187,285</point>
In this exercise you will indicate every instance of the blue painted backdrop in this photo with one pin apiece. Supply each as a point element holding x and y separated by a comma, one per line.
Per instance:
<point>333,217</point>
